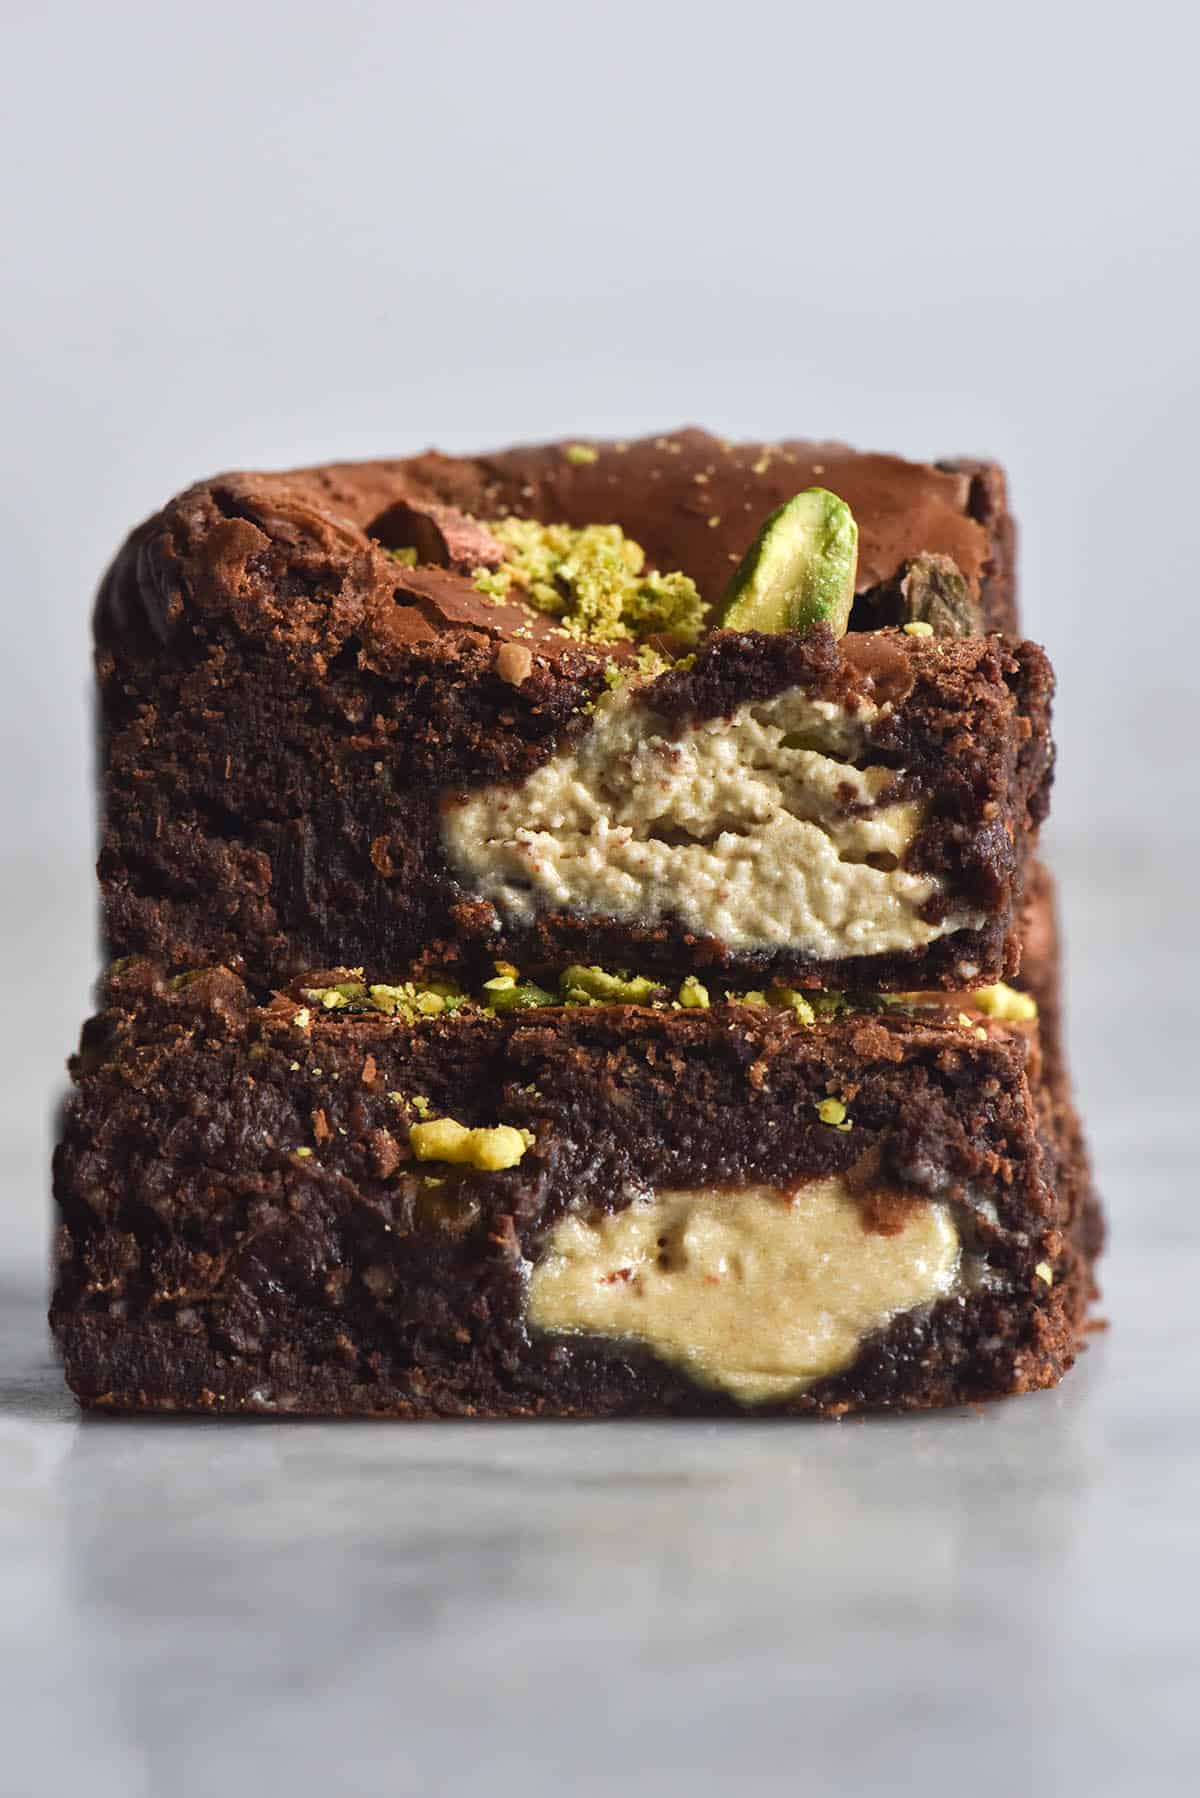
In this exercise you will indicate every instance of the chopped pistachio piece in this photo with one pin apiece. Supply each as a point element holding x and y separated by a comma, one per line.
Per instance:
<point>488,1148</point>
<point>799,571</point>
<point>832,1111</point>
<point>788,998</point>
<point>935,592</point>
<point>693,994</point>
<point>342,996</point>
<point>595,986</point>
<point>917,627</point>
<point>580,454</point>
<point>506,994</point>
<point>1006,1003</point>
<point>646,663</point>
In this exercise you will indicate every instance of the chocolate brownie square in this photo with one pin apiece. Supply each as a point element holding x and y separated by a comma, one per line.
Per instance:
<point>443,710</point>
<point>368,1200</point>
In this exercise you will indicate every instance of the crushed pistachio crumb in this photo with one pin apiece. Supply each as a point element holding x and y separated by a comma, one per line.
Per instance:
<point>650,661</point>
<point>420,1105</point>
<point>592,580</point>
<point>646,663</point>
<point>407,558</point>
<point>832,1111</point>
<point>595,986</point>
<point>387,999</point>
<point>788,998</point>
<point>490,1149</point>
<point>917,627</point>
<point>579,454</point>
<point>303,1153</point>
<point>410,1000</point>
<point>335,998</point>
<point>508,990</point>
<point>1006,1003</point>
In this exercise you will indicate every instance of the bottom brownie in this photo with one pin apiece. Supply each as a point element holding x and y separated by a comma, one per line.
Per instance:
<point>638,1209</point>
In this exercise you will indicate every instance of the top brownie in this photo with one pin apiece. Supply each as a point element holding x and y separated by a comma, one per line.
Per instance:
<point>435,712</point>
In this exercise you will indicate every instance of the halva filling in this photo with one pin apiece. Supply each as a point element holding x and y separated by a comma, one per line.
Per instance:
<point>747,829</point>
<point>757,1291</point>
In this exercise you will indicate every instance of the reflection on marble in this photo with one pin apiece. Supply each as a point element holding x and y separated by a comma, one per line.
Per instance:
<point>644,1608</point>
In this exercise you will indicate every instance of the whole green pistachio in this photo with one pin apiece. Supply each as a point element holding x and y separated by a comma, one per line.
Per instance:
<point>799,571</point>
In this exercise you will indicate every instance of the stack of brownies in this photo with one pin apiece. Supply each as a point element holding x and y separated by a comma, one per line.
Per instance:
<point>579,947</point>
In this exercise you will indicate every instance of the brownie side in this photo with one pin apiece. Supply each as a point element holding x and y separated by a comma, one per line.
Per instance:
<point>1041,976</point>
<point>243,1226</point>
<point>284,710</point>
<point>987,504</point>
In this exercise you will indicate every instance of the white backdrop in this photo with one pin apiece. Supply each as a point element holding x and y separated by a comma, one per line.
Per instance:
<point>269,233</point>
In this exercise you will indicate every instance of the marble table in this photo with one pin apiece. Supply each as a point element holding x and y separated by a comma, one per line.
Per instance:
<point>991,1602</point>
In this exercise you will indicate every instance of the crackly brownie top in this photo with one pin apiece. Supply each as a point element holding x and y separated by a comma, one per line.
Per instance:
<point>692,500</point>
<point>404,553</point>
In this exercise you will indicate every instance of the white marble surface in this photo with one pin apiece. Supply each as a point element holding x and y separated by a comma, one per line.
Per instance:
<point>990,1602</point>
